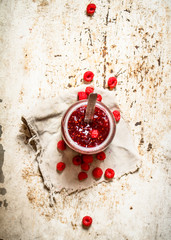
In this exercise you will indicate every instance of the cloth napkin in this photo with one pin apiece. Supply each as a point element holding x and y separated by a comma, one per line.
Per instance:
<point>41,127</point>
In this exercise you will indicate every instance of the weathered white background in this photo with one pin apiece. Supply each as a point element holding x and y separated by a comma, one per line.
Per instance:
<point>49,44</point>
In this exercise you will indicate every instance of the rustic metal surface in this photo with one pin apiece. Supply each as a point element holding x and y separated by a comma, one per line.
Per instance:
<point>49,44</point>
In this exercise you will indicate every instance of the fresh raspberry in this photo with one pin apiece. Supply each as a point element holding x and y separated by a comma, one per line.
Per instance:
<point>87,221</point>
<point>88,76</point>
<point>87,158</point>
<point>101,156</point>
<point>77,160</point>
<point>60,166</point>
<point>61,145</point>
<point>82,95</point>
<point>94,133</point>
<point>116,115</point>
<point>112,81</point>
<point>109,173</point>
<point>97,172</point>
<point>99,97</point>
<point>85,166</point>
<point>91,9</point>
<point>89,90</point>
<point>82,176</point>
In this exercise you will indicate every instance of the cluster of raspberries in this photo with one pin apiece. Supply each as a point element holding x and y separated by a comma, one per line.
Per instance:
<point>88,77</point>
<point>90,89</point>
<point>84,161</point>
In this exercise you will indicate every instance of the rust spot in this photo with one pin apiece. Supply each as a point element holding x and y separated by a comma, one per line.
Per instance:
<point>44,3</point>
<point>28,173</point>
<point>107,16</point>
<point>138,123</point>
<point>27,59</point>
<point>113,46</point>
<point>131,105</point>
<point>31,196</point>
<point>89,42</point>
<point>140,29</point>
<point>69,85</point>
<point>144,57</point>
<point>21,95</point>
<point>149,147</point>
<point>127,10</point>
<point>71,76</point>
<point>74,226</point>
<point>57,55</point>
<point>141,141</point>
<point>104,51</point>
<point>131,208</point>
<point>104,68</point>
<point>39,93</point>
<point>142,87</point>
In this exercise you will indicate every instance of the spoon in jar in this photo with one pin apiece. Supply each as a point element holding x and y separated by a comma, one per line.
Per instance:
<point>90,107</point>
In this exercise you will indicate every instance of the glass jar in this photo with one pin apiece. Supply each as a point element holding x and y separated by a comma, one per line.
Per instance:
<point>77,145</point>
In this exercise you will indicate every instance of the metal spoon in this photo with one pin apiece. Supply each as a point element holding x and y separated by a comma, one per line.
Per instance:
<point>90,107</point>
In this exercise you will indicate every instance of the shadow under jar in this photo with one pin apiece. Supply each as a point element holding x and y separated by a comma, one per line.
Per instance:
<point>88,138</point>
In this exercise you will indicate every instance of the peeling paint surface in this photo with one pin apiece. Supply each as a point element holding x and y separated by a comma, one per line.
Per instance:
<point>1,163</point>
<point>47,45</point>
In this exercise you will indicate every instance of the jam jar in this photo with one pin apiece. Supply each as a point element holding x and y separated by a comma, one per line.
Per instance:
<point>92,137</point>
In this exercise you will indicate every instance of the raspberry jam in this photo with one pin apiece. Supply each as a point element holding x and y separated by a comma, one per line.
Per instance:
<point>81,132</point>
<point>88,138</point>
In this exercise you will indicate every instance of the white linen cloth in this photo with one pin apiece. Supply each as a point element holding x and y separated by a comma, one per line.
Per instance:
<point>42,128</point>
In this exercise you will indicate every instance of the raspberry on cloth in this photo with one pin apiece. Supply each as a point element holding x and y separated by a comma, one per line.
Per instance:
<point>109,173</point>
<point>89,90</point>
<point>60,166</point>
<point>87,158</point>
<point>44,124</point>
<point>61,145</point>
<point>97,172</point>
<point>101,156</point>
<point>117,115</point>
<point>85,166</point>
<point>99,97</point>
<point>77,160</point>
<point>82,95</point>
<point>82,176</point>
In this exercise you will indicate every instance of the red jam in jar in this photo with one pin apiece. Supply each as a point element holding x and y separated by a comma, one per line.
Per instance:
<point>82,132</point>
<point>88,138</point>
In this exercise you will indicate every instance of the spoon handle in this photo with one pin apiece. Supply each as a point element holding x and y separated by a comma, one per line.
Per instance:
<point>90,107</point>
